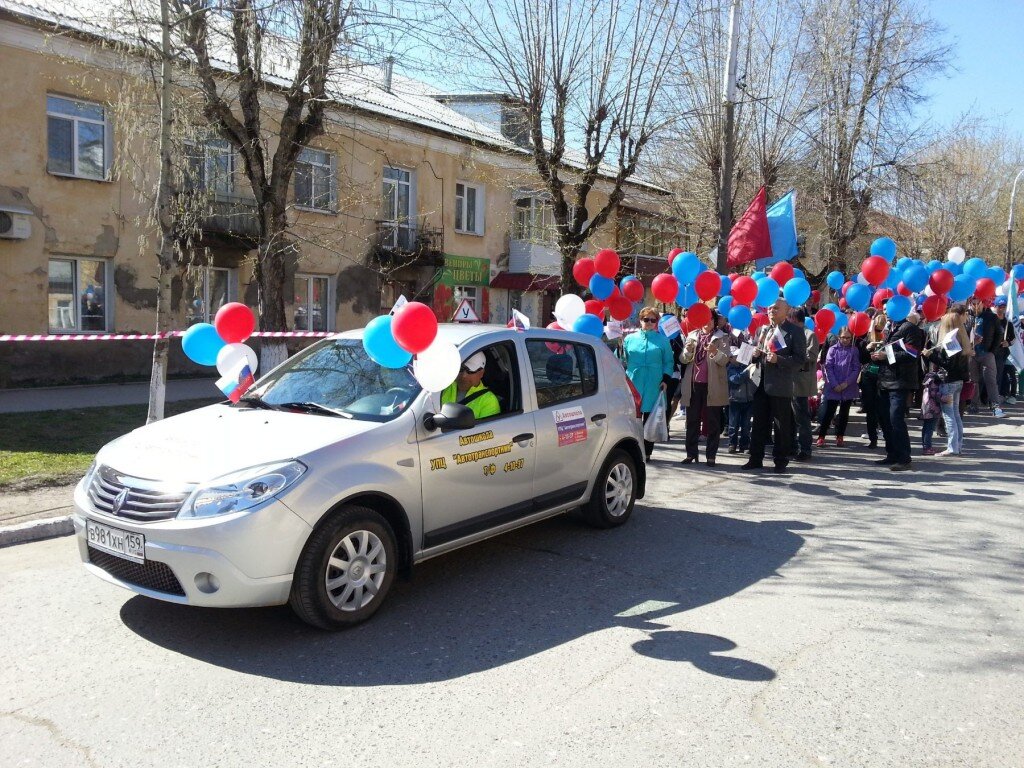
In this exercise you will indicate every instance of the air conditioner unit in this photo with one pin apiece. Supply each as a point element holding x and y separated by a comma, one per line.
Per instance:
<point>15,223</point>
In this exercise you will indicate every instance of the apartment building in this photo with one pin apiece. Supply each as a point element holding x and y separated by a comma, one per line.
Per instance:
<point>409,192</point>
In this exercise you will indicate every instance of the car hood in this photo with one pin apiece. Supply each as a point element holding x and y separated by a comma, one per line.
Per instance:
<point>200,445</point>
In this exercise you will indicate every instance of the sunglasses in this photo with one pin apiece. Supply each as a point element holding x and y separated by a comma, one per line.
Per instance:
<point>648,319</point>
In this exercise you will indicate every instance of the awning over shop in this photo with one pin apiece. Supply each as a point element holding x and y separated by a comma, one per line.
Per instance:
<point>524,281</point>
<point>649,267</point>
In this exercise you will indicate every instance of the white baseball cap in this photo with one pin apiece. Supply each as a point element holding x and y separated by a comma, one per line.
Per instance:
<point>475,362</point>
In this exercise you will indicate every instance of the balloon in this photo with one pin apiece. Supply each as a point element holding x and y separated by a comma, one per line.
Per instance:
<point>672,254</point>
<point>976,268</point>
<point>724,305</point>
<point>414,327</point>
<point>231,356</point>
<point>796,292</point>
<point>734,275</point>
<point>903,264</point>
<point>767,293</point>
<point>835,280</point>
<point>758,276</point>
<point>815,296</point>
<point>843,305</point>
<point>997,275</point>
<point>686,267</point>
<point>583,270</point>
<point>902,289</point>
<point>824,319</point>
<point>985,289</point>
<point>934,307</point>
<point>842,320</point>
<point>707,284</point>
<point>885,248</point>
<point>858,297</point>
<point>619,307</point>
<point>665,287</point>
<point>726,286</point>
<point>760,320</point>
<point>881,296</point>
<point>381,346</point>
<point>963,288</point>
<point>956,255</point>
<point>632,289</point>
<point>568,307</point>
<point>1018,271</point>
<point>686,296</point>
<point>808,323</point>
<point>436,367</point>
<point>898,307</point>
<point>201,343</point>
<point>915,277</point>
<point>875,269</point>
<point>782,273</point>
<point>740,317</point>
<point>941,281</point>
<point>602,287</point>
<point>698,315</point>
<point>594,307</point>
<point>821,333</point>
<point>954,269</point>
<point>234,322</point>
<point>744,290</point>
<point>557,349</point>
<point>607,262</point>
<point>590,325</point>
<point>846,287</point>
<point>860,323</point>
<point>859,279</point>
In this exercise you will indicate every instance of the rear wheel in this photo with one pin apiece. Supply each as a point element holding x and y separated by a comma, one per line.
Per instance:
<point>611,501</point>
<point>345,570</point>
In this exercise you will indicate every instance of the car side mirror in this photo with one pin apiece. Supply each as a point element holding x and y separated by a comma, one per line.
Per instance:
<point>452,416</point>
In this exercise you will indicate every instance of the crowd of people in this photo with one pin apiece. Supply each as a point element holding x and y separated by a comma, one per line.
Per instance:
<point>770,386</point>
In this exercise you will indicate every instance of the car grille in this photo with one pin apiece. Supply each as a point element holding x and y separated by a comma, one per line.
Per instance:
<point>152,574</point>
<point>145,500</point>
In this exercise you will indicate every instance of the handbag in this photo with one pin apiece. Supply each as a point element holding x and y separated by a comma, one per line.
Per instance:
<point>967,393</point>
<point>656,428</point>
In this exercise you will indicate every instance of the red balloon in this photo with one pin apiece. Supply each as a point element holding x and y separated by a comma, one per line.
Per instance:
<point>672,254</point>
<point>1020,286</point>
<point>782,272</point>
<point>860,323</point>
<point>620,307</point>
<point>842,303</point>
<point>633,290</point>
<point>984,289</point>
<point>414,327</point>
<point>556,349</point>
<point>707,285</point>
<point>934,307</point>
<point>881,296</point>
<point>846,286</point>
<point>815,297</point>
<point>875,269</point>
<point>744,290</point>
<point>824,318</point>
<point>614,294</point>
<point>234,322</point>
<point>821,333</point>
<point>941,281</point>
<point>698,315</point>
<point>594,307</point>
<point>665,287</point>
<point>607,262</point>
<point>760,320</point>
<point>583,270</point>
<point>902,290</point>
<point>733,276</point>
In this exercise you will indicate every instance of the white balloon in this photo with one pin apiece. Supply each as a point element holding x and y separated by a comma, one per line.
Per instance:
<point>568,308</point>
<point>956,255</point>
<point>1000,290</point>
<point>928,291</point>
<point>861,279</point>
<point>232,355</point>
<point>437,366</point>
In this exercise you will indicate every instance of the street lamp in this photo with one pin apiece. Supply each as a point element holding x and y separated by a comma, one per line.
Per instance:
<point>1009,223</point>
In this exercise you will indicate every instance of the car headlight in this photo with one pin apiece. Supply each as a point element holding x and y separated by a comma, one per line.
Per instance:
<point>87,478</point>
<point>241,490</point>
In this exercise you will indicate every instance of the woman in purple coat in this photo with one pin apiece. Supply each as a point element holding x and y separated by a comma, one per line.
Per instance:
<point>842,367</point>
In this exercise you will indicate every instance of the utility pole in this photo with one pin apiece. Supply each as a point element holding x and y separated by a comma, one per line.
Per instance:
<point>1009,223</point>
<point>728,140</point>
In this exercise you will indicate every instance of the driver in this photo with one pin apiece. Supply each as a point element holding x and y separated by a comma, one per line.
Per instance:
<point>468,389</point>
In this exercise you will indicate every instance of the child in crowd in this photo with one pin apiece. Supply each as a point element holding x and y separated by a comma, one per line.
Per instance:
<point>741,406</point>
<point>931,407</point>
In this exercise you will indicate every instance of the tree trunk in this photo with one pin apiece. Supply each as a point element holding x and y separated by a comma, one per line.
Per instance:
<point>569,253</point>
<point>158,375</point>
<point>270,281</point>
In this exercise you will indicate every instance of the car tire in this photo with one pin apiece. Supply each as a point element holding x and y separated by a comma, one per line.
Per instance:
<point>345,570</point>
<point>611,502</point>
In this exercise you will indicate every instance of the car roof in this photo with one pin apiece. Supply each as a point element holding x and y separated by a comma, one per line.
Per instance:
<point>461,333</point>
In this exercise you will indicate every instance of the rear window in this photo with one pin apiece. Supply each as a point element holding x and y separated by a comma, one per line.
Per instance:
<point>561,371</point>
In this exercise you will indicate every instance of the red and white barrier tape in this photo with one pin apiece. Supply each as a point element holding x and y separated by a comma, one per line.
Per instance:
<point>146,336</point>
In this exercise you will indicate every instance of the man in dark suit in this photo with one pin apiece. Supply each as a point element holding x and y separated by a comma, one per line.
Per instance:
<point>779,364</point>
<point>899,376</point>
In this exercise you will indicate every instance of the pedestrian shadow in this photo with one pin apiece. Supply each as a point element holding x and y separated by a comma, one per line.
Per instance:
<point>505,600</point>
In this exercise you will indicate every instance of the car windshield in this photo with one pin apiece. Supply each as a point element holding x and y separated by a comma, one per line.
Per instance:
<point>337,375</point>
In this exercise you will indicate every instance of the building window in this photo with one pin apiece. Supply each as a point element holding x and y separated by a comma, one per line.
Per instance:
<point>207,289</point>
<point>646,235</point>
<point>535,220</point>
<point>77,138</point>
<point>76,296</point>
<point>397,208</point>
<point>469,208</point>
<point>211,167</point>
<point>312,303</point>
<point>314,180</point>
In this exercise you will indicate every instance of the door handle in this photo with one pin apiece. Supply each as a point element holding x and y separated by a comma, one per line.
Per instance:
<point>598,417</point>
<point>523,437</point>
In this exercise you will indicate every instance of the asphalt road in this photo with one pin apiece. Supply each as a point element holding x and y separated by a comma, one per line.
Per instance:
<point>839,616</point>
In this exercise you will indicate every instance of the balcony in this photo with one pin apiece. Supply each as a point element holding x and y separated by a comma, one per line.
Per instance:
<point>407,245</point>
<point>534,257</point>
<point>229,219</point>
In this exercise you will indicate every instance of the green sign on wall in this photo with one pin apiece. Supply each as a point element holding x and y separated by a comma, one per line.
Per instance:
<point>465,270</point>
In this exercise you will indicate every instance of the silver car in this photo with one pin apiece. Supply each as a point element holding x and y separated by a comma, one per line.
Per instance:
<point>334,474</point>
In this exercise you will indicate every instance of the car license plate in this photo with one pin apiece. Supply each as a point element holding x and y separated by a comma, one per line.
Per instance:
<point>130,546</point>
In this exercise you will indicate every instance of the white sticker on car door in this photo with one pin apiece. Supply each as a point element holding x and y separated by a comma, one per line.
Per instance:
<point>571,424</point>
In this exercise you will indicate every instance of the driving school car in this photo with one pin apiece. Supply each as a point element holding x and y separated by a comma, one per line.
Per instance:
<point>334,474</point>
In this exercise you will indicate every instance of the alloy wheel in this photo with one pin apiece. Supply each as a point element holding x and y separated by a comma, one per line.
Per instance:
<point>355,570</point>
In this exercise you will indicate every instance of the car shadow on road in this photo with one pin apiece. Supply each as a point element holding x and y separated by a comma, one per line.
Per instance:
<point>504,600</point>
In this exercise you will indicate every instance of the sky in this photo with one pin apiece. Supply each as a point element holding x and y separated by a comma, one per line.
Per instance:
<point>988,52</point>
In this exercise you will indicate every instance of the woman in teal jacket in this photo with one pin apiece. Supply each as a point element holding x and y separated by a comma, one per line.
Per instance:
<point>649,363</point>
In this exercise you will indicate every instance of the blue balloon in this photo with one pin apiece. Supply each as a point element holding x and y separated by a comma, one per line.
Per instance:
<point>740,317</point>
<point>726,286</point>
<point>858,297</point>
<point>796,291</point>
<point>884,247</point>
<point>809,323</point>
<point>702,267</point>
<point>903,264</point>
<point>201,343</point>
<point>935,264</point>
<point>976,268</point>
<point>834,308</point>
<point>767,292</point>
<point>758,276</point>
<point>997,275</point>
<point>797,272</point>
<point>915,277</point>
<point>724,305</point>
<point>963,288</point>
<point>602,287</point>
<point>892,282</point>
<point>954,269</point>
<point>835,281</point>
<point>380,344</point>
<point>897,308</point>
<point>841,322</point>
<point>686,267</point>
<point>1018,272</point>
<point>589,324</point>
<point>686,296</point>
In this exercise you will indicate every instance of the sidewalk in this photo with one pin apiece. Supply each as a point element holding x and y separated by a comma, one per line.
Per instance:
<point>93,395</point>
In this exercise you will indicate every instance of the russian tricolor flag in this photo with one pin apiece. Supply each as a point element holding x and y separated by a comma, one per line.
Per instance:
<point>235,384</point>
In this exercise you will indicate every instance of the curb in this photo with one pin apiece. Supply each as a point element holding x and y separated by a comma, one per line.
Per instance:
<point>36,530</point>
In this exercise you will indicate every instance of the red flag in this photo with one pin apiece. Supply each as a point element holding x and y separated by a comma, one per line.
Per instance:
<point>750,239</point>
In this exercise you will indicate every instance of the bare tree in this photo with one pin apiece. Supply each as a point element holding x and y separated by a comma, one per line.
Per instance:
<point>589,77</point>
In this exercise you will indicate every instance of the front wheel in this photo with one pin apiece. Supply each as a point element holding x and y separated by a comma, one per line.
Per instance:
<point>345,570</point>
<point>611,501</point>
